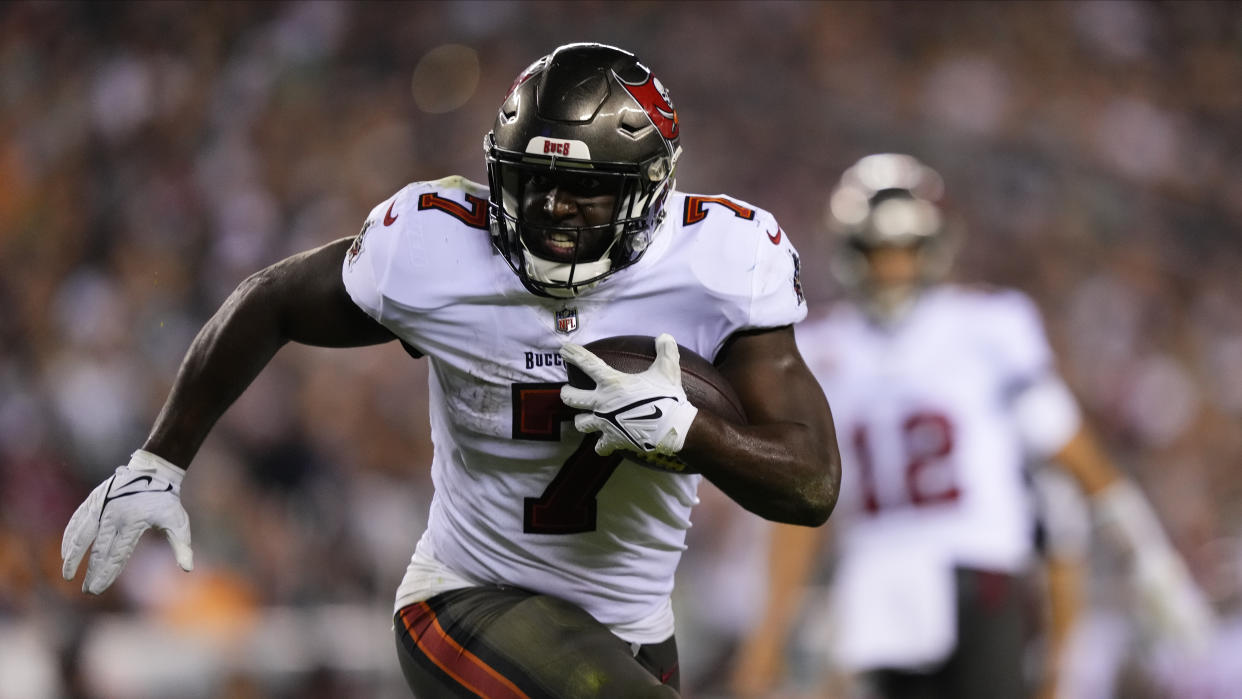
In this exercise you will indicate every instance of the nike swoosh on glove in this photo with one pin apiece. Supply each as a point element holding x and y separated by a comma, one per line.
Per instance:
<point>645,412</point>
<point>142,494</point>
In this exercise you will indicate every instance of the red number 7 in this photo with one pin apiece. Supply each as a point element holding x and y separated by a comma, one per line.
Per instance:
<point>567,505</point>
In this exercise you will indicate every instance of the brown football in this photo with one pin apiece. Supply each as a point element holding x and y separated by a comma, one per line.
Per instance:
<point>706,388</point>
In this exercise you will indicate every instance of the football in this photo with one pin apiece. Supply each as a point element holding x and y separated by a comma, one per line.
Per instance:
<point>706,388</point>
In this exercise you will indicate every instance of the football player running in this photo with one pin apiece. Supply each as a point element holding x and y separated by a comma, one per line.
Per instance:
<point>547,564</point>
<point>941,393</point>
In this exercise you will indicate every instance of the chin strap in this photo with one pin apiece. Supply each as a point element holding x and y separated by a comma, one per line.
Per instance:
<point>544,272</point>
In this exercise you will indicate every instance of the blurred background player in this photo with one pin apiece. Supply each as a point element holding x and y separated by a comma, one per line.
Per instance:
<point>942,394</point>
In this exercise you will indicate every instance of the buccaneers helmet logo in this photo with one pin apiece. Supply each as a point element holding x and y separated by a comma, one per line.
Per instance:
<point>653,98</point>
<point>526,75</point>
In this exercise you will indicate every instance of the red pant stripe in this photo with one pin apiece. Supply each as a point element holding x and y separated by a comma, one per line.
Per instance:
<point>463,666</point>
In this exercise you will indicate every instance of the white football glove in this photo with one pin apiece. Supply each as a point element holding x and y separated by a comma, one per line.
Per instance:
<point>1174,607</point>
<point>1170,602</point>
<point>644,413</point>
<point>144,493</point>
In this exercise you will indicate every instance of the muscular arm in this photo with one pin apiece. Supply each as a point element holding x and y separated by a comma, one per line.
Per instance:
<point>784,465</point>
<point>300,299</point>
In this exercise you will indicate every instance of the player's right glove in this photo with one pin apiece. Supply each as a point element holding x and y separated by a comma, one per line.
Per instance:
<point>144,493</point>
<point>646,412</point>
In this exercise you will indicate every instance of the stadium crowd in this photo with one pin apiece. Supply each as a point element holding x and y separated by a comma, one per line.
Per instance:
<point>154,154</point>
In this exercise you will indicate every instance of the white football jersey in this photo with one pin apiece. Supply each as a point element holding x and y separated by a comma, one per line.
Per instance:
<point>933,457</point>
<point>519,499</point>
<point>929,442</point>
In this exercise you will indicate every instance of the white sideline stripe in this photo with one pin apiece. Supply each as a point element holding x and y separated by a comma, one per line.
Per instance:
<point>133,655</point>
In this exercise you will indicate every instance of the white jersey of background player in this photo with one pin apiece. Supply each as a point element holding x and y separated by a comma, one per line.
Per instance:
<point>932,410</point>
<point>941,394</point>
<point>495,374</point>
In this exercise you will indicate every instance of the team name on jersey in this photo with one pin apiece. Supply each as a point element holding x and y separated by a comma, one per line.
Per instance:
<point>541,359</point>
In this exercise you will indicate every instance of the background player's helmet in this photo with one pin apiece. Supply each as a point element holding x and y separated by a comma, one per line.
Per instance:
<point>593,113</point>
<point>889,199</point>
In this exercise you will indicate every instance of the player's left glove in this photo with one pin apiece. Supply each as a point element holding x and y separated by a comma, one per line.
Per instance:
<point>1173,606</point>
<point>646,412</point>
<point>142,494</point>
<point>1169,601</point>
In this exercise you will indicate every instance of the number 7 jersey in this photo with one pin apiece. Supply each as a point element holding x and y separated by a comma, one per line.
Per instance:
<point>521,498</point>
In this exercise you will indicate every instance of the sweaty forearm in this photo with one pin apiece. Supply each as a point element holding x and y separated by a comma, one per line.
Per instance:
<point>225,357</point>
<point>779,471</point>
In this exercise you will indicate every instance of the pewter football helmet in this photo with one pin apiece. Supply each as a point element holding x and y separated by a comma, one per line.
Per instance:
<point>591,118</point>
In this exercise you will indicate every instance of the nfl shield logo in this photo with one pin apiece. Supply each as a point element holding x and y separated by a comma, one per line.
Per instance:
<point>566,320</point>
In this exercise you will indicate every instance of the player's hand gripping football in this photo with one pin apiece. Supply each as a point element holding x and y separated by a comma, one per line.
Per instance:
<point>144,493</point>
<point>646,412</point>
